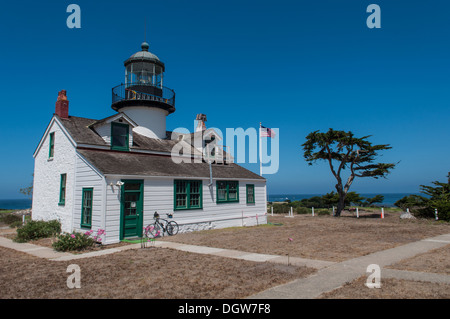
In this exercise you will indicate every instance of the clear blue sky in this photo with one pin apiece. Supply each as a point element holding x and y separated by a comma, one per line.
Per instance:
<point>297,65</point>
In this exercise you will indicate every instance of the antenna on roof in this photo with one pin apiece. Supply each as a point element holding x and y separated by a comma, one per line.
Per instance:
<point>145,29</point>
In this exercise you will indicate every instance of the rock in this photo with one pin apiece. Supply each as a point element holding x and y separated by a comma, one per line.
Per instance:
<point>407,215</point>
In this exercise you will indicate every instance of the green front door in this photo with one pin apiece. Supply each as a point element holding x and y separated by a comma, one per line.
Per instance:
<point>131,209</point>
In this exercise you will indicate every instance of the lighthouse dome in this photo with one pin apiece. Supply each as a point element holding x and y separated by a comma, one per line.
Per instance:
<point>144,55</point>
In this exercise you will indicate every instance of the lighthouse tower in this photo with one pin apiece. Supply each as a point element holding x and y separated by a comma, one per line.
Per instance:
<point>143,97</point>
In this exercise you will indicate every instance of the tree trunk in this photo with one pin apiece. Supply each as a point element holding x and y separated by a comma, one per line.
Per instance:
<point>341,204</point>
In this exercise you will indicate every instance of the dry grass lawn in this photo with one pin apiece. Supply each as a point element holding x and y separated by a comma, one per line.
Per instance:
<point>390,289</point>
<point>435,261</point>
<point>167,273</point>
<point>141,273</point>
<point>320,237</point>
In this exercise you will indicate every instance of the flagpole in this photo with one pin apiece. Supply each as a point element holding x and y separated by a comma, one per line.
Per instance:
<point>260,151</point>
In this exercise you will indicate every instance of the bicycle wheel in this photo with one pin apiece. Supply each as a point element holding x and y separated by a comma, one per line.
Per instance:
<point>154,231</point>
<point>172,228</point>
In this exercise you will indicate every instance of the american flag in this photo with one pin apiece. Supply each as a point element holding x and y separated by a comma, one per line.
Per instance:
<point>266,132</point>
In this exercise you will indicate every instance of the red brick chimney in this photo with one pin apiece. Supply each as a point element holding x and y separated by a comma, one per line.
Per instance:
<point>62,105</point>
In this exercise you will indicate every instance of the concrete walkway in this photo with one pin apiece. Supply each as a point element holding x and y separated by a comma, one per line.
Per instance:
<point>330,275</point>
<point>334,276</point>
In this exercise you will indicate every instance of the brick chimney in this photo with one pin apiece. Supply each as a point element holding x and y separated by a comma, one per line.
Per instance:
<point>201,119</point>
<point>62,105</point>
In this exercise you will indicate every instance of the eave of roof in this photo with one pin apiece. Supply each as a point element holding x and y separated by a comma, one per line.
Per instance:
<point>139,164</point>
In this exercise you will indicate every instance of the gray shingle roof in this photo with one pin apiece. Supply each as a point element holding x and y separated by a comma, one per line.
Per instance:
<point>133,163</point>
<point>128,163</point>
<point>81,131</point>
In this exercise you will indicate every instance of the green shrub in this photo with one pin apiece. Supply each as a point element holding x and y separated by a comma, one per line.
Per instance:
<point>73,241</point>
<point>10,219</point>
<point>302,210</point>
<point>36,229</point>
<point>281,208</point>
<point>322,212</point>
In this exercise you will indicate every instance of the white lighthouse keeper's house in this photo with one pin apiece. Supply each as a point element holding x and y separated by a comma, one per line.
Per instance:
<point>114,173</point>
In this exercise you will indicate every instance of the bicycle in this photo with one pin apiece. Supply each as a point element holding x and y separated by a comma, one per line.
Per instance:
<point>158,227</point>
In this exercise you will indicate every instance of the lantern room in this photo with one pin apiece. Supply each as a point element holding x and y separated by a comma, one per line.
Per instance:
<point>144,75</point>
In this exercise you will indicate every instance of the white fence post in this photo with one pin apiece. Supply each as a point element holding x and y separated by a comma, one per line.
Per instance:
<point>312,211</point>
<point>382,212</point>
<point>436,213</point>
<point>290,212</point>
<point>271,210</point>
<point>357,212</point>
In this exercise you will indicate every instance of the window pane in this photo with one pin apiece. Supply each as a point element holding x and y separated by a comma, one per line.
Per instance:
<point>188,194</point>
<point>87,207</point>
<point>132,186</point>
<point>52,145</point>
<point>62,191</point>
<point>131,203</point>
<point>221,191</point>
<point>181,200</point>
<point>195,200</point>
<point>250,193</point>
<point>232,190</point>
<point>180,194</point>
<point>119,136</point>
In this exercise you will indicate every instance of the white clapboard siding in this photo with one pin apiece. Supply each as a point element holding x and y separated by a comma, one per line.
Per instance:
<point>159,196</point>
<point>88,177</point>
<point>47,177</point>
<point>112,222</point>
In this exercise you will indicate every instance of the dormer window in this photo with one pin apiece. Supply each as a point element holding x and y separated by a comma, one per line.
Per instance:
<point>119,136</point>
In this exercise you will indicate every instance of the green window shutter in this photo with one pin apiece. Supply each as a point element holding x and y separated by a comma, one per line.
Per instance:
<point>86,207</point>
<point>187,194</point>
<point>120,136</point>
<point>51,149</point>
<point>62,190</point>
<point>250,190</point>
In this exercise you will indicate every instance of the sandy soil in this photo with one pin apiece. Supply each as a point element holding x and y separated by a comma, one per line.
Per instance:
<point>320,237</point>
<point>141,273</point>
<point>390,289</point>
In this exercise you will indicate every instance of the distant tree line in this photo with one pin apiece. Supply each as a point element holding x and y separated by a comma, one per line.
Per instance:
<point>326,201</point>
<point>437,198</point>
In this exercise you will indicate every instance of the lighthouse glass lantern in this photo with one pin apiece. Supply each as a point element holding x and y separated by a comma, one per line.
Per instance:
<point>144,74</point>
<point>144,68</point>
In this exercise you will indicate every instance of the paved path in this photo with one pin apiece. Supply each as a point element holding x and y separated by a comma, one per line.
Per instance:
<point>336,275</point>
<point>330,275</point>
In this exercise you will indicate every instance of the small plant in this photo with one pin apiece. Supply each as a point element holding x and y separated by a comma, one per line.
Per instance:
<point>73,241</point>
<point>36,229</point>
<point>290,240</point>
<point>76,241</point>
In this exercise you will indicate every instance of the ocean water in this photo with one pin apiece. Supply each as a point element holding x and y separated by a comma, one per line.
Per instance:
<point>15,203</point>
<point>389,198</point>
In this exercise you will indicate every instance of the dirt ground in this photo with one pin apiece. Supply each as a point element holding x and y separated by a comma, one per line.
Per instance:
<point>167,273</point>
<point>435,261</point>
<point>141,273</point>
<point>319,237</point>
<point>390,289</point>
